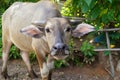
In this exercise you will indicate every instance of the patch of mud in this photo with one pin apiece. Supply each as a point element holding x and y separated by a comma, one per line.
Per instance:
<point>18,71</point>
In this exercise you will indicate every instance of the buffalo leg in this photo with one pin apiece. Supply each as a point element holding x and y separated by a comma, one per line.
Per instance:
<point>46,71</point>
<point>42,64</point>
<point>25,57</point>
<point>5,56</point>
<point>50,64</point>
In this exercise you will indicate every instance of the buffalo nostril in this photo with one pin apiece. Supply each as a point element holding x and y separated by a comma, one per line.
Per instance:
<point>60,46</point>
<point>55,48</point>
<point>63,47</point>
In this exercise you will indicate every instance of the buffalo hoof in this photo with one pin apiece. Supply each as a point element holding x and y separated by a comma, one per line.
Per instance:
<point>32,74</point>
<point>50,75</point>
<point>5,75</point>
<point>47,78</point>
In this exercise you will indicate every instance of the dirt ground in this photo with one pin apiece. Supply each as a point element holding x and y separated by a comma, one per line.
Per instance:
<point>18,71</point>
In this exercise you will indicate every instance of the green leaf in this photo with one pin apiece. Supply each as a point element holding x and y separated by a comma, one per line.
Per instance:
<point>110,1</point>
<point>58,63</point>
<point>118,18</point>
<point>106,53</point>
<point>95,12</point>
<point>105,19</point>
<point>103,11</point>
<point>92,4</point>
<point>84,7</point>
<point>90,54</point>
<point>88,2</point>
<point>110,15</point>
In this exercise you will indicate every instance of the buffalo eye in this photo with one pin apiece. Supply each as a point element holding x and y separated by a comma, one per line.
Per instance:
<point>47,30</point>
<point>68,29</point>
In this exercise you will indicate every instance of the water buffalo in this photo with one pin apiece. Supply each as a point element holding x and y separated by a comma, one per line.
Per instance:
<point>37,27</point>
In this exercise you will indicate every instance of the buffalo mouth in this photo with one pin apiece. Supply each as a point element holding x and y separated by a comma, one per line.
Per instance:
<point>60,54</point>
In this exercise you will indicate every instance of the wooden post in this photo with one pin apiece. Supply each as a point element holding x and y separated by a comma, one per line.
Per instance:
<point>110,56</point>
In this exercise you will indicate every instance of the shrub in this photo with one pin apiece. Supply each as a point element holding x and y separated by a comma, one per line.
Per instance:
<point>88,51</point>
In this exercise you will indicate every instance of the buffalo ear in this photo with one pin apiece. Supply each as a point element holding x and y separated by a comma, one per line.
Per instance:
<point>82,29</point>
<point>33,31</point>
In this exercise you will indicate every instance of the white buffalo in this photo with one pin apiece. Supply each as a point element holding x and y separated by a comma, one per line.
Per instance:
<point>38,27</point>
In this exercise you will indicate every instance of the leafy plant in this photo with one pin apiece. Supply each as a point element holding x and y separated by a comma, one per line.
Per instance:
<point>60,63</point>
<point>71,45</point>
<point>106,53</point>
<point>14,53</point>
<point>88,51</point>
<point>99,12</point>
<point>33,57</point>
<point>67,9</point>
<point>77,61</point>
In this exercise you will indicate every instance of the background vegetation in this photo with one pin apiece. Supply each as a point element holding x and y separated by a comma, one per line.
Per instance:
<point>100,13</point>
